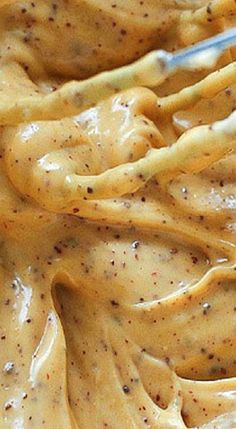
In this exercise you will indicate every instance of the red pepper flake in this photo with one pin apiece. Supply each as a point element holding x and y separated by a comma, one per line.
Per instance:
<point>194,259</point>
<point>57,249</point>
<point>126,389</point>
<point>8,406</point>
<point>209,8</point>
<point>114,303</point>
<point>228,91</point>
<point>48,376</point>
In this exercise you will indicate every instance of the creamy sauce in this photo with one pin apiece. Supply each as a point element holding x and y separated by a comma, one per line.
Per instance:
<point>117,223</point>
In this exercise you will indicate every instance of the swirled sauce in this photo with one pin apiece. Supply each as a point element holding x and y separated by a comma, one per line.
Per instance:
<point>117,223</point>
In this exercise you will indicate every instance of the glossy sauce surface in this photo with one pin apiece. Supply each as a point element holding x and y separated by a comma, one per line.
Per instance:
<point>117,224</point>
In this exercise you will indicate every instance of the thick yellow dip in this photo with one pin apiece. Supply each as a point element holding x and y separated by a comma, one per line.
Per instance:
<point>117,218</point>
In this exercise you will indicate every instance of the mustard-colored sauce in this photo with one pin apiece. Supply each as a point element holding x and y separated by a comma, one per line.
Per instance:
<point>117,221</point>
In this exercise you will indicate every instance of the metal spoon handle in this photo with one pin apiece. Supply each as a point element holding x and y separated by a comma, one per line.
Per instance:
<point>210,48</point>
